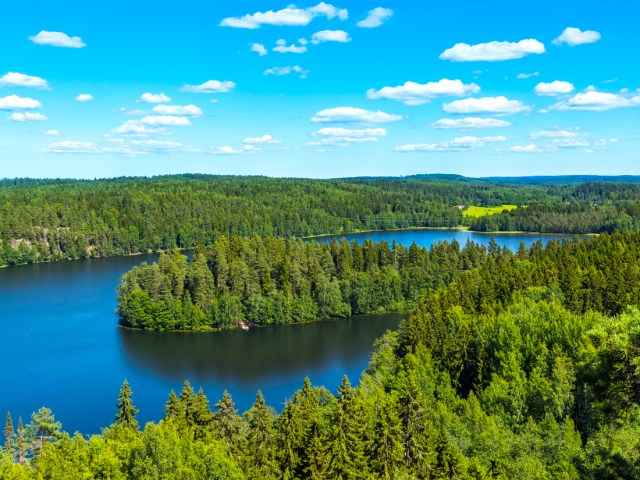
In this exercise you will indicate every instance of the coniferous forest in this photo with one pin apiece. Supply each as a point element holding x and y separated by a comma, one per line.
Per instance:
<point>46,220</point>
<point>512,365</point>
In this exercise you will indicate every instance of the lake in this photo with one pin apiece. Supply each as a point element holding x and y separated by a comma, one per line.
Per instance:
<point>61,346</point>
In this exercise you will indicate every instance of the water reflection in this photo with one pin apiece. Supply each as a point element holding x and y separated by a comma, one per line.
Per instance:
<point>262,354</point>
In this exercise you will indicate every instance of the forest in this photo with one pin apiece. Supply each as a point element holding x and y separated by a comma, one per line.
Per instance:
<point>515,365</point>
<point>47,220</point>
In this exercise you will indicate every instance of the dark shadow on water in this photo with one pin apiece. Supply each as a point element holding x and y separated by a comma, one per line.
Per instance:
<point>263,354</point>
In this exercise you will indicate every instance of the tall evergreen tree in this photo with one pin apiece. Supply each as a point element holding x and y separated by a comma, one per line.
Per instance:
<point>21,442</point>
<point>172,407</point>
<point>9,441</point>
<point>43,428</point>
<point>126,411</point>
<point>261,441</point>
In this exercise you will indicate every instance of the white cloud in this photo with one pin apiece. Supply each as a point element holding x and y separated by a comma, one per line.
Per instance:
<point>226,150</point>
<point>353,115</point>
<point>154,98</point>
<point>457,144</point>
<point>522,76</point>
<point>122,147</point>
<point>281,71</point>
<point>492,51</point>
<point>57,39</point>
<point>290,16</point>
<point>574,36</point>
<point>84,97</point>
<point>72,147</point>
<point>556,87</point>
<point>210,86</point>
<point>282,47</point>
<point>27,117</point>
<point>376,17</point>
<point>263,140</point>
<point>412,93</point>
<point>14,79</point>
<point>570,143</point>
<point>339,141</point>
<point>13,102</point>
<point>182,110</point>
<point>496,105</point>
<point>526,149</point>
<point>165,120</point>
<point>134,127</point>
<point>470,122</point>
<point>350,133</point>
<point>52,133</point>
<point>554,133</point>
<point>330,36</point>
<point>259,49</point>
<point>599,101</point>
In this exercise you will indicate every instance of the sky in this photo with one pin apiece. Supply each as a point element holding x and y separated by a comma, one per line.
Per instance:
<point>321,90</point>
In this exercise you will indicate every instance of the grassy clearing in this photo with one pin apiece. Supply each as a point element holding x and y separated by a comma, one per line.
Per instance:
<point>477,212</point>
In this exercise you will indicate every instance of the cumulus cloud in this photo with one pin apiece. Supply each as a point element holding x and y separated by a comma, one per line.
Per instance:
<point>522,76</point>
<point>259,49</point>
<point>470,122</point>
<point>210,86</point>
<point>154,98</point>
<point>14,102</point>
<point>14,79</point>
<point>570,143</point>
<point>281,71</point>
<point>181,110</point>
<point>339,141</point>
<point>330,36</point>
<point>27,117</point>
<point>353,115</point>
<point>52,133</point>
<point>134,127</point>
<point>412,93</point>
<point>72,147</point>
<point>165,120</point>
<point>599,101</point>
<point>348,132</point>
<point>226,150</point>
<point>375,18</point>
<point>526,149</point>
<point>491,105</point>
<point>554,88</point>
<point>282,47</point>
<point>290,16</point>
<point>84,97</point>
<point>492,51</point>
<point>263,140</point>
<point>121,146</point>
<point>457,144</point>
<point>554,133</point>
<point>574,36</point>
<point>57,39</point>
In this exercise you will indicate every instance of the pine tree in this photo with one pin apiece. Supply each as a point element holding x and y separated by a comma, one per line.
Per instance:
<point>187,403</point>
<point>202,415</point>
<point>43,428</point>
<point>9,435</point>
<point>172,407</point>
<point>261,441</point>
<point>126,411</point>
<point>227,424</point>
<point>21,442</point>
<point>387,444</point>
<point>315,459</point>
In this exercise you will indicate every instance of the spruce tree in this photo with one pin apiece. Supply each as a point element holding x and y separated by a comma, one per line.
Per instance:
<point>187,403</point>
<point>21,443</point>
<point>261,441</point>
<point>126,411</point>
<point>227,424</point>
<point>172,407</point>
<point>9,435</point>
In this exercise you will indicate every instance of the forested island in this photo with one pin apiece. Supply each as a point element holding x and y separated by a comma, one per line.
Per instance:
<point>46,220</point>
<point>513,365</point>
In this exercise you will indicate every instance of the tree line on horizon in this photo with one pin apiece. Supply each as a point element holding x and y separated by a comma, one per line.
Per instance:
<point>47,220</point>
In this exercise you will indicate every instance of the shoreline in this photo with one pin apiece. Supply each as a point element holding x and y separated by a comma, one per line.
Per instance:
<point>459,228</point>
<point>406,313</point>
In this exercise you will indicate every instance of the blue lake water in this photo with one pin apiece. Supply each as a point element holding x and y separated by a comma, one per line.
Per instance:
<point>61,346</point>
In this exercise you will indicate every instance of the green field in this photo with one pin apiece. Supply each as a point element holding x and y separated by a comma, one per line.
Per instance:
<point>477,212</point>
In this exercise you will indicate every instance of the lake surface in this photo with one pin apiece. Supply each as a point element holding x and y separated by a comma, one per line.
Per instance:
<point>61,346</point>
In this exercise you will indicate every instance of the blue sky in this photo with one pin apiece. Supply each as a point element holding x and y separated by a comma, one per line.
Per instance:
<point>318,89</point>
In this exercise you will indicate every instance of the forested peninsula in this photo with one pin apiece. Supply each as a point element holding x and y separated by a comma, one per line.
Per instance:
<point>521,365</point>
<point>47,220</point>
<point>270,281</point>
